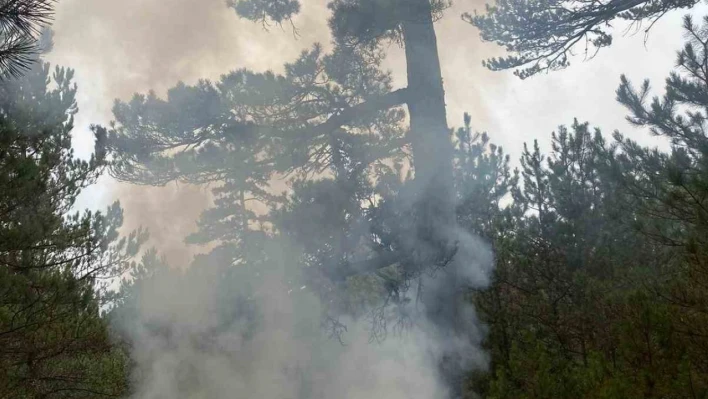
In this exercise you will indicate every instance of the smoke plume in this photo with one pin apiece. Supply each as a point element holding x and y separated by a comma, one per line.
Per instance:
<point>217,331</point>
<point>123,47</point>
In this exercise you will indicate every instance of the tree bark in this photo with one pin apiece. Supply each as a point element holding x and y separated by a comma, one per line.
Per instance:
<point>434,183</point>
<point>430,135</point>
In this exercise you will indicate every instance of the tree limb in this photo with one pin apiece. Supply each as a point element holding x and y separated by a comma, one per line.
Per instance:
<point>379,103</point>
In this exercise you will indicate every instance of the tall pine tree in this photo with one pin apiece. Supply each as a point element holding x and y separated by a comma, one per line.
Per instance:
<point>54,263</point>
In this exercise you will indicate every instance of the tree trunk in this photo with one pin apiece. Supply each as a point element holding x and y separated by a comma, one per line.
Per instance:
<point>430,135</point>
<point>432,153</point>
<point>434,184</point>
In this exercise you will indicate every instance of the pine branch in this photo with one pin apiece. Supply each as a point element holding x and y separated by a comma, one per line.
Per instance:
<point>362,110</point>
<point>21,22</point>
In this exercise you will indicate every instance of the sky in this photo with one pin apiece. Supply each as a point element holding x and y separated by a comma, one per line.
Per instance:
<point>121,47</point>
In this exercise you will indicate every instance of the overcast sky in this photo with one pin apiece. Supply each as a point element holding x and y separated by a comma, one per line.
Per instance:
<point>121,47</point>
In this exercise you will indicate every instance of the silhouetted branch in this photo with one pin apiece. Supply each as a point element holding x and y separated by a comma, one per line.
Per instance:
<point>386,101</point>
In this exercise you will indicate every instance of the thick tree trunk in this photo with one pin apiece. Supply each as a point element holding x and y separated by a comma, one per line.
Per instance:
<point>430,135</point>
<point>434,184</point>
<point>430,138</point>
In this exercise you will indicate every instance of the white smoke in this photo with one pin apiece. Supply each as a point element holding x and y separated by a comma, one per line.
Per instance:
<point>254,331</point>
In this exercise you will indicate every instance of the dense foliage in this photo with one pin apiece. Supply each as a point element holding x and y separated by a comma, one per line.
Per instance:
<point>53,262</point>
<point>22,34</point>
<point>597,287</point>
<point>599,246</point>
<point>600,284</point>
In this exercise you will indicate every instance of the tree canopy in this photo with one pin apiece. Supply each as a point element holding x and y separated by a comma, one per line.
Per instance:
<point>54,263</point>
<point>587,263</point>
<point>583,238</point>
<point>543,35</point>
<point>334,114</point>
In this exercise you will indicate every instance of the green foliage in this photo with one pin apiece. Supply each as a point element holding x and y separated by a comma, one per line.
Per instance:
<point>54,264</point>
<point>600,292</point>
<point>543,35</point>
<point>21,23</point>
<point>600,246</point>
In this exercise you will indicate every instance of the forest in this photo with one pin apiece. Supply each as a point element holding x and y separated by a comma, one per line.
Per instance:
<point>360,240</point>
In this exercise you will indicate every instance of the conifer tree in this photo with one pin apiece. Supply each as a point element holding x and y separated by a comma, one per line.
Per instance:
<point>331,115</point>
<point>22,26</point>
<point>597,293</point>
<point>543,35</point>
<point>54,262</point>
<point>335,125</point>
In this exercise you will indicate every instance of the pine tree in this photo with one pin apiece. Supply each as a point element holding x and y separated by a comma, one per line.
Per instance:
<point>543,35</point>
<point>22,28</point>
<point>334,116</point>
<point>54,263</point>
<point>671,189</point>
<point>332,123</point>
<point>599,290</point>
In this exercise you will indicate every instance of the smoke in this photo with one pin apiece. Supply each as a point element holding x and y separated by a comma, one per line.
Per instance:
<point>253,330</point>
<point>136,45</point>
<point>169,213</point>
<point>217,331</point>
<point>122,47</point>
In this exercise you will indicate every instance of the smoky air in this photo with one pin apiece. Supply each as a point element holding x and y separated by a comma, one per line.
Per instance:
<point>307,199</point>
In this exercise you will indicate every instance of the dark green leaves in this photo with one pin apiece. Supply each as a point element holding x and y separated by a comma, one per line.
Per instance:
<point>55,264</point>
